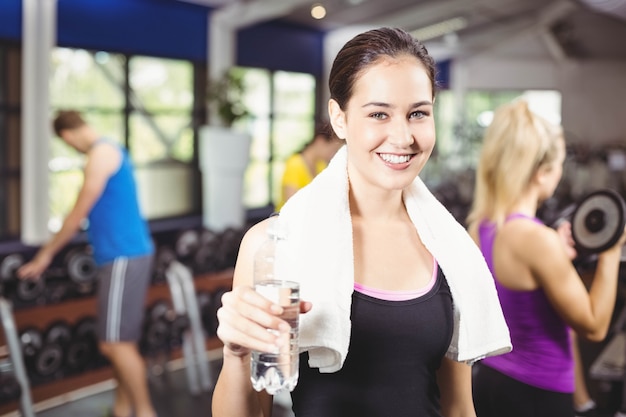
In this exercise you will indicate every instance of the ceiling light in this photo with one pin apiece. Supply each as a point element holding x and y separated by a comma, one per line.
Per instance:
<point>439,29</point>
<point>318,11</point>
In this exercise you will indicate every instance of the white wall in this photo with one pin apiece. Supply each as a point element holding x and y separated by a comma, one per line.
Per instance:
<point>593,92</point>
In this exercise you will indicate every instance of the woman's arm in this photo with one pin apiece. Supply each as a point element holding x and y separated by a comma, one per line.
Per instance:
<point>241,319</point>
<point>588,312</point>
<point>455,385</point>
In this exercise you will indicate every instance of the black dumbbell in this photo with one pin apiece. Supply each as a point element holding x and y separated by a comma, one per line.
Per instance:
<point>163,258</point>
<point>207,258</point>
<point>179,324</point>
<point>10,389</point>
<point>50,360</point>
<point>82,350</point>
<point>205,302</point>
<point>31,341</point>
<point>186,244</point>
<point>598,221</point>
<point>156,330</point>
<point>81,269</point>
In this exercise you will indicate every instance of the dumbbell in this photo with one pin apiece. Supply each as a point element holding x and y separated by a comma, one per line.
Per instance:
<point>82,350</point>
<point>163,258</point>
<point>207,257</point>
<point>9,266</point>
<point>31,341</point>
<point>598,221</point>
<point>10,389</point>
<point>231,239</point>
<point>186,244</point>
<point>156,328</point>
<point>205,303</point>
<point>81,269</point>
<point>25,291</point>
<point>179,324</point>
<point>50,359</point>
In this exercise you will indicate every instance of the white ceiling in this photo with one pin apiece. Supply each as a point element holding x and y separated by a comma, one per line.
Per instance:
<point>582,29</point>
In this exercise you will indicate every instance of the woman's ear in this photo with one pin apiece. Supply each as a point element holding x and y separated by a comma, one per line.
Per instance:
<point>337,119</point>
<point>541,173</point>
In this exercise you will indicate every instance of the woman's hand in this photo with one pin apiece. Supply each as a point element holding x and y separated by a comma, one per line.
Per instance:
<point>565,232</point>
<point>245,318</point>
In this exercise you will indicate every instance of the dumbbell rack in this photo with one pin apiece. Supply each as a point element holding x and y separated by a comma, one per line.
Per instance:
<point>71,310</point>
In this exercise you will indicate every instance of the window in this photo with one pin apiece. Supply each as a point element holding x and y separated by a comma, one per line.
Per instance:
<point>282,106</point>
<point>450,172</point>
<point>147,105</point>
<point>459,142</point>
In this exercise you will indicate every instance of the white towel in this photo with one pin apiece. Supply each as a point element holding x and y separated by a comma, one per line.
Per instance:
<point>320,256</point>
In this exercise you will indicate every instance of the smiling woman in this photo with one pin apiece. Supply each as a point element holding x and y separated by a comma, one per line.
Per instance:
<point>378,332</point>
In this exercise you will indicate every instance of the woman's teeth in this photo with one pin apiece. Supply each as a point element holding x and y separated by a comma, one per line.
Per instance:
<point>395,159</point>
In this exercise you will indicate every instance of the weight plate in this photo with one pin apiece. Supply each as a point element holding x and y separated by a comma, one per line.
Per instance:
<point>81,267</point>
<point>30,289</point>
<point>598,221</point>
<point>10,265</point>
<point>187,243</point>
<point>49,360</point>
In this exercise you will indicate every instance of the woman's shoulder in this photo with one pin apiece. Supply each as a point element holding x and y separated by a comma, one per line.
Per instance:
<point>526,236</point>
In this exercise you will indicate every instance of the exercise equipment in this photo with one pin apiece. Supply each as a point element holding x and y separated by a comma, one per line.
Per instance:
<point>15,362</point>
<point>10,388</point>
<point>156,329</point>
<point>20,291</point>
<point>81,268</point>
<point>184,301</point>
<point>49,361</point>
<point>9,266</point>
<point>82,349</point>
<point>164,256</point>
<point>598,221</point>
<point>207,257</point>
<point>186,245</point>
<point>205,303</point>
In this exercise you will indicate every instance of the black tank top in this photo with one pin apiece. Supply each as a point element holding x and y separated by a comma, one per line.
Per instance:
<point>395,349</point>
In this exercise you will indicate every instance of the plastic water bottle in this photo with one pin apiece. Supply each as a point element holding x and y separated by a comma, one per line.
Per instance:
<point>276,371</point>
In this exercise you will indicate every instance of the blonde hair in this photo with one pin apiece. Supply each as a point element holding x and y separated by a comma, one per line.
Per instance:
<point>516,144</point>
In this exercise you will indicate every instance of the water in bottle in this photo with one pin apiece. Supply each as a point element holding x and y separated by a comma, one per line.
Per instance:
<point>276,371</point>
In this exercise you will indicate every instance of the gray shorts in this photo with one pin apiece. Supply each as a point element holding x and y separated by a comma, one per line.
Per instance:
<point>122,288</point>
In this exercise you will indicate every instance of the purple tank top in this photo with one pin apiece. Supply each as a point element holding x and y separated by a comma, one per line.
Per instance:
<point>542,350</point>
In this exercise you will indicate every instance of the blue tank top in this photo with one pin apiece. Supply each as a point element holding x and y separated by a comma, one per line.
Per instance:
<point>395,350</point>
<point>116,226</point>
<point>542,350</point>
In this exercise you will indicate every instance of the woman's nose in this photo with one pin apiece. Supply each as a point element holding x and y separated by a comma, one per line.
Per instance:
<point>400,134</point>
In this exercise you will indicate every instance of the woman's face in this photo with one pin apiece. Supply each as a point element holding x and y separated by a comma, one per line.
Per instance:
<point>553,172</point>
<point>388,123</point>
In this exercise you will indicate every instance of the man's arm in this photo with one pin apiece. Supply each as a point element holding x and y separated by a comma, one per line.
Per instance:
<point>102,161</point>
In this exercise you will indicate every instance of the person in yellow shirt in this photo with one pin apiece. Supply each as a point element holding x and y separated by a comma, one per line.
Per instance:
<point>303,166</point>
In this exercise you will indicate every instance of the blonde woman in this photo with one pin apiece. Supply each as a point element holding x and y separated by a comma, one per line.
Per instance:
<point>541,293</point>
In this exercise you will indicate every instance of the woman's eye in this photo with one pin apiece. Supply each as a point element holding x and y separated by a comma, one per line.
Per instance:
<point>418,114</point>
<point>378,115</point>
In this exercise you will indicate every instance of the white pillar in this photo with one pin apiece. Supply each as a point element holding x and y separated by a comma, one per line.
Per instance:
<point>39,36</point>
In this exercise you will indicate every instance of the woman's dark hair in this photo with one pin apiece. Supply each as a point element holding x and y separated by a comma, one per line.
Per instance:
<point>366,49</point>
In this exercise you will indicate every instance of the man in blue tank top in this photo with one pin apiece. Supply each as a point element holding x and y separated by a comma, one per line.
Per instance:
<point>123,250</point>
